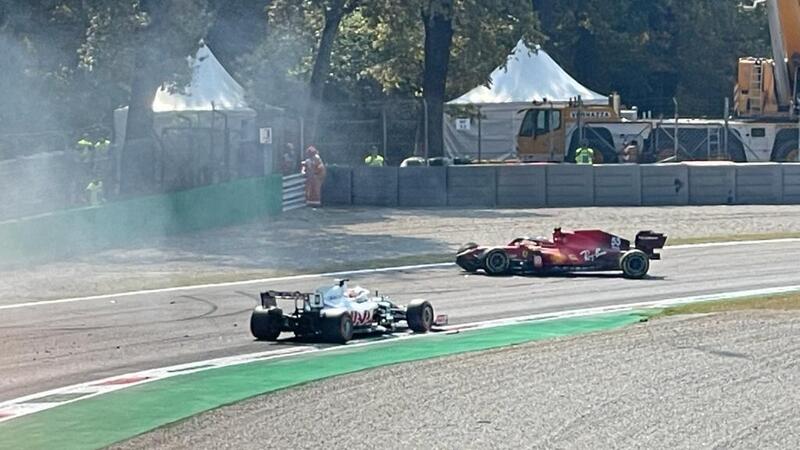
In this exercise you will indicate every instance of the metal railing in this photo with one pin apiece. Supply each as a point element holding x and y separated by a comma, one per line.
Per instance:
<point>294,193</point>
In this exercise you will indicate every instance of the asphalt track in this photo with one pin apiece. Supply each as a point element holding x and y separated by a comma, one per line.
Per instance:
<point>49,346</point>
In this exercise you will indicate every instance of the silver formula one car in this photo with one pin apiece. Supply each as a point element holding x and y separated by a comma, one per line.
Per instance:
<point>336,313</point>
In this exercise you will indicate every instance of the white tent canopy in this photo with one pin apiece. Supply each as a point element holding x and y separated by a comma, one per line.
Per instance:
<point>211,88</point>
<point>211,85</point>
<point>528,76</point>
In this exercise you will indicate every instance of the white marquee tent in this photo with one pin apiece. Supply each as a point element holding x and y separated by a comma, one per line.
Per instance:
<point>212,94</point>
<point>528,76</point>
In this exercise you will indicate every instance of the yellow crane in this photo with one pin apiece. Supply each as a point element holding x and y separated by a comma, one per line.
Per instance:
<point>768,87</point>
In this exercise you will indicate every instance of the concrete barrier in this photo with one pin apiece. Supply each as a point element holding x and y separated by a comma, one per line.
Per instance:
<point>791,183</point>
<point>37,184</point>
<point>522,186</point>
<point>472,186</point>
<point>564,185</point>
<point>338,186</point>
<point>759,184</point>
<point>617,185</point>
<point>73,231</point>
<point>712,183</point>
<point>375,186</point>
<point>570,185</point>
<point>665,184</point>
<point>422,186</point>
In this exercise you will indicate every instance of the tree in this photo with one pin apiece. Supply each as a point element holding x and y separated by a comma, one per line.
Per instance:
<point>238,28</point>
<point>440,48</point>
<point>437,17</point>
<point>147,43</point>
<point>334,11</point>
<point>653,51</point>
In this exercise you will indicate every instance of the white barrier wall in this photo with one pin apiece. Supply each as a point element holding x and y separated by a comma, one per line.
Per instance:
<point>375,186</point>
<point>522,186</point>
<point>791,183</point>
<point>618,185</point>
<point>471,186</point>
<point>570,185</point>
<point>665,184</point>
<point>422,186</point>
<point>712,183</point>
<point>759,183</point>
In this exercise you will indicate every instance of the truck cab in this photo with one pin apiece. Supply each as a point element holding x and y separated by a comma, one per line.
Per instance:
<point>549,132</point>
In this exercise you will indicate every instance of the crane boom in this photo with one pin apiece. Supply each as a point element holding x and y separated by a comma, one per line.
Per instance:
<point>782,86</point>
<point>784,27</point>
<point>769,87</point>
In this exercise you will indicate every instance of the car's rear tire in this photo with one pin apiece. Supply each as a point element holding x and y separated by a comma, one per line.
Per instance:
<point>496,262</point>
<point>265,323</point>
<point>337,328</point>
<point>634,264</point>
<point>419,315</point>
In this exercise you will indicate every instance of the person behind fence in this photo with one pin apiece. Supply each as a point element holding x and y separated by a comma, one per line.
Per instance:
<point>314,170</point>
<point>94,192</point>
<point>288,162</point>
<point>630,154</point>
<point>374,159</point>
<point>584,154</point>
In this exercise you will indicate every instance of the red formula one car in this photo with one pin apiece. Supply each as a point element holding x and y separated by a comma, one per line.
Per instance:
<point>577,251</point>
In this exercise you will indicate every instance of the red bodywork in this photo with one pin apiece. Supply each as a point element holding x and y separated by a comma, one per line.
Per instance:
<point>581,250</point>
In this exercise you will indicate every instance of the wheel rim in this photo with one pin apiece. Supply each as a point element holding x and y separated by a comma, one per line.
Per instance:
<point>497,261</point>
<point>636,265</point>
<point>347,327</point>
<point>427,317</point>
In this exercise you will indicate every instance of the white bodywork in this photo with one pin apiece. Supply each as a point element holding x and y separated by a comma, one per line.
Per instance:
<point>350,299</point>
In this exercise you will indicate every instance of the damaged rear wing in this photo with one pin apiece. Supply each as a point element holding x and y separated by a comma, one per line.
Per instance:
<point>649,242</point>
<point>270,299</point>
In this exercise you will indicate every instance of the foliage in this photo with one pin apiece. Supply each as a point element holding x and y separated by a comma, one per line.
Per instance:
<point>650,51</point>
<point>69,63</point>
<point>76,57</point>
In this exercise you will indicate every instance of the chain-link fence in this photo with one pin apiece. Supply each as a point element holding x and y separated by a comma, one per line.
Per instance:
<point>347,131</point>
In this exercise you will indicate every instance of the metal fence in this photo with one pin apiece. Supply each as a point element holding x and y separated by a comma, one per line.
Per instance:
<point>294,192</point>
<point>347,131</point>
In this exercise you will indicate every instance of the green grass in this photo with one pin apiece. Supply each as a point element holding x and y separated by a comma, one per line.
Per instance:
<point>783,302</point>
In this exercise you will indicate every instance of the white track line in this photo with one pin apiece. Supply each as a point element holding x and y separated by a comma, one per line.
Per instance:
<point>226,284</point>
<point>337,274</point>
<point>21,406</point>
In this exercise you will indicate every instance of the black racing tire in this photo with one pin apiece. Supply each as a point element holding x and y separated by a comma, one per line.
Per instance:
<point>496,262</point>
<point>265,323</point>
<point>786,152</point>
<point>419,315</point>
<point>467,246</point>
<point>634,264</point>
<point>337,328</point>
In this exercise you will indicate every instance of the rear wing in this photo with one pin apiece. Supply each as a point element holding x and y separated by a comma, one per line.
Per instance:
<point>648,242</point>
<point>270,298</point>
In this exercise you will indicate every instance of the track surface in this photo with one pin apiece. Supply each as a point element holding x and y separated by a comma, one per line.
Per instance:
<point>726,381</point>
<point>44,347</point>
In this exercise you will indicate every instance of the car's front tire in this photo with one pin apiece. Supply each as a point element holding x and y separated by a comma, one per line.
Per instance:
<point>496,262</point>
<point>634,264</point>
<point>419,315</point>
